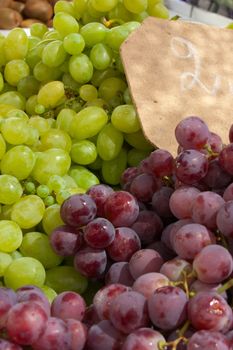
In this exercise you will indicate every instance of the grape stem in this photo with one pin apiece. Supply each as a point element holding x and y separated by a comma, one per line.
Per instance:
<point>184,328</point>
<point>225,286</point>
<point>173,344</point>
<point>111,22</point>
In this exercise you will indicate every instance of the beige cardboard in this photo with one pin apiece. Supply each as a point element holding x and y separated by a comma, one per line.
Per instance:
<point>177,69</point>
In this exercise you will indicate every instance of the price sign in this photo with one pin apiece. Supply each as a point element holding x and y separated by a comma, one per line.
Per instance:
<point>177,69</point>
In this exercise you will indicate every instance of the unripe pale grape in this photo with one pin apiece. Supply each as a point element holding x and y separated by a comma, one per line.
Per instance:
<point>24,271</point>
<point>28,211</point>
<point>74,43</point>
<point>54,54</point>
<point>13,98</point>
<point>83,177</point>
<point>81,68</point>
<point>10,236</point>
<point>125,119</point>
<point>65,24</point>
<point>55,138</point>
<point>104,5</point>
<point>15,130</point>
<point>109,142</point>
<point>51,94</point>
<point>10,189</point>
<point>16,44</point>
<point>93,33</point>
<point>52,218</point>
<point>83,152</point>
<point>16,70</point>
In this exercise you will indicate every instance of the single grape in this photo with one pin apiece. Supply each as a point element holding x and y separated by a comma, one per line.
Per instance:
<point>205,208</point>
<point>181,201</point>
<point>144,261</point>
<point>66,240</point>
<point>212,270</point>
<point>99,233</point>
<point>104,335</point>
<point>191,166</point>
<point>33,294</point>
<point>90,262</point>
<point>149,282</point>
<point>51,94</point>
<point>31,272</point>
<point>143,187</point>
<point>78,210</point>
<point>16,70</point>
<point>65,24</point>
<point>99,194</point>
<point>161,201</point>
<point>216,176</point>
<point>10,189</point>
<point>176,269</point>
<point>167,307</point>
<point>10,236</point>
<point>8,299</point>
<point>125,244</point>
<point>209,311</point>
<point>74,43</point>
<point>77,333</point>
<point>26,322</point>
<point>121,208</point>
<point>225,158</point>
<point>109,142</point>
<point>104,298</point>
<point>208,340</point>
<point>68,305</point>
<point>225,217</point>
<point>143,338</point>
<point>128,312</point>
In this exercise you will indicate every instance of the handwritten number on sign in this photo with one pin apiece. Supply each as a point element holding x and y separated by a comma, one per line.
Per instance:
<point>188,79</point>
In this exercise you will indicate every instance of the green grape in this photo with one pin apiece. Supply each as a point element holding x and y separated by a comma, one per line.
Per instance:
<point>33,58</point>
<point>135,156</point>
<point>159,10</point>
<point>81,68</point>
<point>87,18</point>
<point>31,104</point>
<point>13,98</point>
<point>51,218</point>
<point>63,278</point>
<point>37,246</point>
<point>120,12</point>
<point>51,94</point>
<point>127,97</point>
<point>39,109</point>
<point>88,123</point>
<point>5,261</point>
<point>24,271</point>
<point>16,44</point>
<point>49,293</point>
<point>18,161</point>
<point>49,200</point>
<point>93,33</point>
<point>44,73</point>
<point>101,56</point>
<point>104,5</point>
<point>39,123</point>
<point>119,64</point>
<point>138,141</point>
<point>2,147</point>
<point>100,76</point>
<point>79,7</point>
<point>135,6</point>
<point>28,211</point>
<point>28,86</point>
<point>74,43</point>
<point>56,183</point>
<point>125,119</point>
<point>52,34</point>
<point>139,17</point>
<point>16,70</point>
<point>111,87</point>
<point>97,102</point>
<point>131,26</point>
<point>97,15</point>
<point>65,24</point>
<point>33,138</point>
<point>1,82</point>
<point>64,119</point>
<point>83,177</point>
<point>30,187</point>
<point>17,113</point>
<point>55,138</point>
<point>64,67</point>
<point>112,169</point>
<point>88,92</point>
<point>54,54</point>
<point>54,161</point>
<point>116,36</point>
<point>2,56</point>
<point>109,142</point>
<point>38,30</point>
<point>69,182</point>
<point>152,3</point>
<point>10,189</point>
<point>64,6</point>
<point>96,165</point>
<point>83,152</point>
<point>42,191</point>
<point>16,255</point>
<point>14,130</point>
<point>69,82</point>
<point>10,236</point>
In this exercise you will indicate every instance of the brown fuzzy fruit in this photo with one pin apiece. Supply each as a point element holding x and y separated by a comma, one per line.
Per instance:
<point>9,18</point>
<point>39,9</point>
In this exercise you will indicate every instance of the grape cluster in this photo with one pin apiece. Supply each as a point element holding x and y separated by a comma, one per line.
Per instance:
<point>161,247</point>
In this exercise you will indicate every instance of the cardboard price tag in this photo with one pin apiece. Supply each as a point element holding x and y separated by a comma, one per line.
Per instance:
<point>177,69</point>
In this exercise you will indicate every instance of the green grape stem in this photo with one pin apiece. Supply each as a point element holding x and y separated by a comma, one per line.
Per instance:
<point>225,286</point>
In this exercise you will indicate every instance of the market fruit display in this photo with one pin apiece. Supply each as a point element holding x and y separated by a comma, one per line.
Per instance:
<point>106,242</point>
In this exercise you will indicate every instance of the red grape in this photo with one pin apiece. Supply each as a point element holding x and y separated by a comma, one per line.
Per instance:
<point>208,340</point>
<point>148,283</point>
<point>99,194</point>
<point>99,233</point>
<point>68,305</point>
<point>225,219</point>
<point>143,187</point>
<point>77,333</point>
<point>66,240</point>
<point>143,339</point>
<point>160,202</point>
<point>90,262</point>
<point>148,226</point>
<point>181,201</point>
<point>8,298</point>
<point>119,273</point>
<point>145,261</point>
<point>226,158</point>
